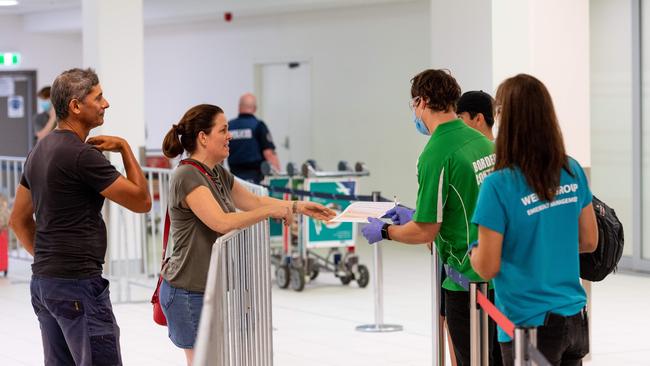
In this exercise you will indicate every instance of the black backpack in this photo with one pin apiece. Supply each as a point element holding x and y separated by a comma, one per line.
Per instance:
<point>597,265</point>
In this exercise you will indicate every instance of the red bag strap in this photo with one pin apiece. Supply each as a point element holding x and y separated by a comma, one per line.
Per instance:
<point>165,237</point>
<point>167,219</point>
<point>202,170</point>
<point>197,166</point>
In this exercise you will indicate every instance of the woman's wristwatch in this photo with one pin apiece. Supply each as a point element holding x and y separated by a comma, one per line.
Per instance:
<point>294,207</point>
<point>384,232</point>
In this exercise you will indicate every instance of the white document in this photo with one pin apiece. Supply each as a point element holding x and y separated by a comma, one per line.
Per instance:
<point>7,87</point>
<point>360,211</point>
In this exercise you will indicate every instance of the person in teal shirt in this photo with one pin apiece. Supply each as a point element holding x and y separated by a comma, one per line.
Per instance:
<point>535,216</point>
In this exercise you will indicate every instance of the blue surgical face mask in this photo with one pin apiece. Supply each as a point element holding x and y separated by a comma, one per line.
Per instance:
<point>44,105</point>
<point>419,125</point>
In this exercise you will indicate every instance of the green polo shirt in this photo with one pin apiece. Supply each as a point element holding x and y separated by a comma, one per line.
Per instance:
<point>451,168</point>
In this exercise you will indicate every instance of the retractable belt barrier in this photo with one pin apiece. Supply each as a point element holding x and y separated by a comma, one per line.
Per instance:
<point>485,303</point>
<point>527,335</point>
<point>331,196</point>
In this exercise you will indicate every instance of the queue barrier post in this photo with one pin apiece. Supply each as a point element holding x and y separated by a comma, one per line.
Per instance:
<point>378,326</point>
<point>524,338</point>
<point>438,328</point>
<point>478,322</point>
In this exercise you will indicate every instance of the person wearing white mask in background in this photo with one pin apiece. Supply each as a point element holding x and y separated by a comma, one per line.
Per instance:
<point>45,120</point>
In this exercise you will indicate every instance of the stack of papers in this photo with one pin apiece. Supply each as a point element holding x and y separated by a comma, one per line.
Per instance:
<point>360,211</point>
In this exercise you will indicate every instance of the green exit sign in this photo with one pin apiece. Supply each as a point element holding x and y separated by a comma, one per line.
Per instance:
<point>9,59</point>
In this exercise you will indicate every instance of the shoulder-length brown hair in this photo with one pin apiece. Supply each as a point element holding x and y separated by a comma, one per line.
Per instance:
<point>529,136</point>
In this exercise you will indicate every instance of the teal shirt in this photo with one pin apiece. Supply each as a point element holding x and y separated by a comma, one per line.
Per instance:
<point>451,168</point>
<point>540,265</point>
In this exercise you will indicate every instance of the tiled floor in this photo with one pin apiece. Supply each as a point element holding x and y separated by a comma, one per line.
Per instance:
<point>317,326</point>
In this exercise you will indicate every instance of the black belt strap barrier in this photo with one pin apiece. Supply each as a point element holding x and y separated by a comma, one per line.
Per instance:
<point>331,196</point>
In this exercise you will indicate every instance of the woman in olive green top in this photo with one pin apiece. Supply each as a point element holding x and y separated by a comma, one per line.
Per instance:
<point>202,207</point>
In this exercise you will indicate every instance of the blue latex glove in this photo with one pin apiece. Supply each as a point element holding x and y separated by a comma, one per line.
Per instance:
<point>372,231</point>
<point>400,215</point>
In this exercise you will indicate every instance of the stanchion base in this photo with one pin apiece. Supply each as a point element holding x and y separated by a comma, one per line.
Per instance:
<point>379,328</point>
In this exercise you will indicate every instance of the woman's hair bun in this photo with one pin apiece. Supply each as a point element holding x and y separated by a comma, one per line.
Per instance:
<point>179,128</point>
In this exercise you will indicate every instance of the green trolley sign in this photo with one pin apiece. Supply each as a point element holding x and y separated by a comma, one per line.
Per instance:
<point>319,234</point>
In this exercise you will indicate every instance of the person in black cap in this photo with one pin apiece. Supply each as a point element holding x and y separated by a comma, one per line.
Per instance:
<point>475,109</point>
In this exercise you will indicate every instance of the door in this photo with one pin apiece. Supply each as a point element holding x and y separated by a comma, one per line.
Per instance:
<point>284,103</point>
<point>17,110</point>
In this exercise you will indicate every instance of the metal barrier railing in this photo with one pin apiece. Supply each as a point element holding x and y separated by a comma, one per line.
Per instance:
<point>133,254</point>
<point>11,170</point>
<point>235,326</point>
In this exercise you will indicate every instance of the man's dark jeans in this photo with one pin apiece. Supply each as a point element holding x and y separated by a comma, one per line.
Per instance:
<point>77,322</point>
<point>562,340</point>
<point>457,311</point>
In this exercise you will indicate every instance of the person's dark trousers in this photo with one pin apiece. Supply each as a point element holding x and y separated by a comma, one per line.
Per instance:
<point>457,312</point>
<point>563,340</point>
<point>77,322</point>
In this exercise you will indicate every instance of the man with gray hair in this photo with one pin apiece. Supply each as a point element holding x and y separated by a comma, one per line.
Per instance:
<point>65,181</point>
<point>251,143</point>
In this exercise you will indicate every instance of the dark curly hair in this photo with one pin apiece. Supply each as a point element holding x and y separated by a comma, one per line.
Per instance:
<point>438,88</point>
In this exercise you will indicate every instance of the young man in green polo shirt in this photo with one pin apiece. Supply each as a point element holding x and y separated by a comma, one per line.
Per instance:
<point>451,168</point>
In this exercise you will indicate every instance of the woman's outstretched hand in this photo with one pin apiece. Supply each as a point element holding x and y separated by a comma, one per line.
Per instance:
<point>315,210</point>
<point>281,212</point>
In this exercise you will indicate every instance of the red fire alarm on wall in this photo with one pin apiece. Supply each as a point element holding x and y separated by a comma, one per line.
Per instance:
<point>227,16</point>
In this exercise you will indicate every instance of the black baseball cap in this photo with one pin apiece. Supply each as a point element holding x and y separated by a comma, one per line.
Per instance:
<point>476,101</point>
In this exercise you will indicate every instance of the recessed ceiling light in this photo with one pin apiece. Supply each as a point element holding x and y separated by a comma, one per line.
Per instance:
<point>8,2</point>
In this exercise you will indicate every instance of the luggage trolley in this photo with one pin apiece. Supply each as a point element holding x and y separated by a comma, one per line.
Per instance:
<point>298,253</point>
<point>282,238</point>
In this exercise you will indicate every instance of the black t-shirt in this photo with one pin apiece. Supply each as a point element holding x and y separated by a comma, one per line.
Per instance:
<point>65,176</point>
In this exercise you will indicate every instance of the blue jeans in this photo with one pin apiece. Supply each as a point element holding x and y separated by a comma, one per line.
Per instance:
<point>182,309</point>
<point>77,322</point>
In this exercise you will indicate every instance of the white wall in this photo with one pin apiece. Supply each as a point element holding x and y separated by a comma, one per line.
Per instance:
<point>611,110</point>
<point>550,40</point>
<point>48,54</point>
<point>113,39</point>
<point>462,41</point>
<point>362,61</point>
